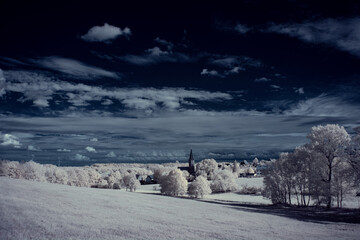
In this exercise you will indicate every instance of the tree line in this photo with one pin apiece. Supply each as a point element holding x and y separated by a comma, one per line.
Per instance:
<point>319,172</point>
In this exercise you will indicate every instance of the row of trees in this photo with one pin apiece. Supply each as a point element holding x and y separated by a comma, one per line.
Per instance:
<point>323,170</point>
<point>73,176</point>
<point>175,183</point>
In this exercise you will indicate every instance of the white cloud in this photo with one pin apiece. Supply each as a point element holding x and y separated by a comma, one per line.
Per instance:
<point>41,102</point>
<point>241,28</point>
<point>73,67</point>
<point>90,149</point>
<point>36,86</point>
<point>299,90</point>
<point>9,140</point>
<point>156,51</point>
<point>111,155</point>
<point>343,34</point>
<point>154,56</point>
<point>167,44</point>
<point>325,106</point>
<point>93,140</point>
<point>234,70</point>
<point>79,157</point>
<point>205,71</point>
<point>63,150</point>
<point>262,79</point>
<point>105,33</point>
<point>275,86</point>
<point>2,84</point>
<point>32,148</point>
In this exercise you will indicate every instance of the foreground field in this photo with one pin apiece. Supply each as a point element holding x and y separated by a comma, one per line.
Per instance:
<point>33,210</point>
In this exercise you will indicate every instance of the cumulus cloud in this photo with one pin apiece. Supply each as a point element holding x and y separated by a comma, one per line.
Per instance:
<point>73,67</point>
<point>9,140</point>
<point>90,149</point>
<point>105,33</point>
<point>79,157</point>
<point>343,34</point>
<point>262,79</point>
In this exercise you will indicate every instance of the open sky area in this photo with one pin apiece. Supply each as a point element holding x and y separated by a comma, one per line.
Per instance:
<point>144,81</point>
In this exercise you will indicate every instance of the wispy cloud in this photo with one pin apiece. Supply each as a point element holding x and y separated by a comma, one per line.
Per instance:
<point>343,34</point>
<point>169,45</point>
<point>241,28</point>
<point>155,55</point>
<point>35,86</point>
<point>232,61</point>
<point>2,84</point>
<point>105,33</point>
<point>231,64</point>
<point>73,67</point>
<point>206,72</point>
<point>325,106</point>
<point>262,79</point>
<point>275,87</point>
<point>233,27</point>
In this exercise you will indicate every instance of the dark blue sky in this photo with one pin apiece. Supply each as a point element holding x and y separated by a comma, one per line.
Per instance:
<point>145,82</point>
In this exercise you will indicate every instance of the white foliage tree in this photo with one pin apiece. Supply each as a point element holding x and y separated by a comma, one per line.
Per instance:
<point>130,182</point>
<point>199,187</point>
<point>174,184</point>
<point>329,143</point>
<point>56,175</point>
<point>207,168</point>
<point>33,171</point>
<point>224,181</point>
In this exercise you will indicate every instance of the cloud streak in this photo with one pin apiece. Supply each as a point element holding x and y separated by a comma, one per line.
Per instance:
<point>41,89</point>
<point>343,34</point>
<point>73,67</point>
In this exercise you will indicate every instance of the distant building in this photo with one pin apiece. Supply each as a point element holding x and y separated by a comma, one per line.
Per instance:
<point>191,167</point>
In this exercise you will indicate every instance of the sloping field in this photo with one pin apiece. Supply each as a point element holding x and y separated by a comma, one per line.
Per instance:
<point>33,210</point>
